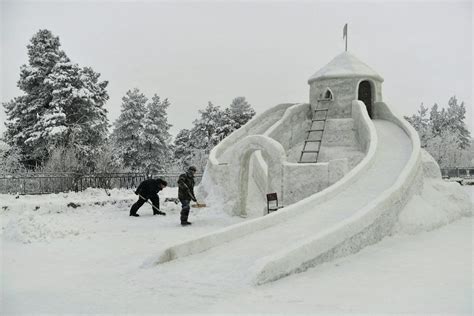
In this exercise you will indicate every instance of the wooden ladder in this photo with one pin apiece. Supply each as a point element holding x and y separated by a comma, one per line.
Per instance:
<point>315,137</point>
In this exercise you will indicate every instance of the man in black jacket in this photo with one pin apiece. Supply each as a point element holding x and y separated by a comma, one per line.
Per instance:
<point>186,193</point>
<point>148,190</point>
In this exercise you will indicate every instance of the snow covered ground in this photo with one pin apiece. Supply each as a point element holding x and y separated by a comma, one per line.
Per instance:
<point>88,258</point>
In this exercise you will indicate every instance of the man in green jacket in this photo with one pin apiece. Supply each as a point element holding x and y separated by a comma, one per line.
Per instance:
<point>186,193</point>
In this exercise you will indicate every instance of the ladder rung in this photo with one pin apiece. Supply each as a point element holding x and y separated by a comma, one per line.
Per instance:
<point>314,130</point>
<point>312,140</point>
<point>318,120</point>
<point>310,151</point>
<point>307,161</point>
<point>320,110</point>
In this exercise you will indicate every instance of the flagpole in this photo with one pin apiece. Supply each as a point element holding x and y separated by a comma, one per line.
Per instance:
<point>347,33</point>
<point>344,34</point>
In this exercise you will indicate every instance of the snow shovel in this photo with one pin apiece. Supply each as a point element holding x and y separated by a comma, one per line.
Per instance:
<point>197,204</point>
<point>154,207</point>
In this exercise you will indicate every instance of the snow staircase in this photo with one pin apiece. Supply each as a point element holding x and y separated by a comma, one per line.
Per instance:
<point>312,144</point>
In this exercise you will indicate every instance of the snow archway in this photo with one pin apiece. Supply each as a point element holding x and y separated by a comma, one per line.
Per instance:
<point>253,183</point>
<point>272,153</point>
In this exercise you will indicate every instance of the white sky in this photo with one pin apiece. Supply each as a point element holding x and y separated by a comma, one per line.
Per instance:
<point>195,52</point>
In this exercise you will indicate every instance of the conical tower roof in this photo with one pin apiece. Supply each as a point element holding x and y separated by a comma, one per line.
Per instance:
<point>345,65</point>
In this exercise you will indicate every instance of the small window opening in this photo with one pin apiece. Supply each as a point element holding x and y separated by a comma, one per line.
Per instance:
<point>328,95</point>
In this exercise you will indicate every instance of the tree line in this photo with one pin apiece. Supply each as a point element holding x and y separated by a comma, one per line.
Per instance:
<point>443,133</point>
<point>60,123</point>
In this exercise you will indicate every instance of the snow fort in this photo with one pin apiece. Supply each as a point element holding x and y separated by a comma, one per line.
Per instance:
<point>345,167</point>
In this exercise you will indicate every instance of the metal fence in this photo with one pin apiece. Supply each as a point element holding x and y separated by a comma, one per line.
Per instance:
<point>465,173</point>
<point>42,183</point>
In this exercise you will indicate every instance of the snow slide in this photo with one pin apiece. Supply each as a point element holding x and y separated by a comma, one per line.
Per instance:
<point>358,210</point>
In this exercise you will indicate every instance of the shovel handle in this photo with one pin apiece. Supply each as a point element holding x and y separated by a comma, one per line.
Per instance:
<point>146,200</point>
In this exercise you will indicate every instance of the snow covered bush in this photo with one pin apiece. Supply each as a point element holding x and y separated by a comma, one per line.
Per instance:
<point>106,162</point>
<point>63,159</point>
<point>10,159</point>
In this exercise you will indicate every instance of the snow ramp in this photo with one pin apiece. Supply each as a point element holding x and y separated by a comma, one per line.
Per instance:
<point>358,210</point>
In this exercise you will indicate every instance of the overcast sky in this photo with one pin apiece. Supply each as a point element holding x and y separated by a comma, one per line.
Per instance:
<point>195,52</point>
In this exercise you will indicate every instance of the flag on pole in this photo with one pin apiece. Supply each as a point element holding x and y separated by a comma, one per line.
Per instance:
<point>344,32</point>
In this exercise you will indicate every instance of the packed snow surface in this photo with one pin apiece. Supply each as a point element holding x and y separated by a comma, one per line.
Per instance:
<point>100,269</point>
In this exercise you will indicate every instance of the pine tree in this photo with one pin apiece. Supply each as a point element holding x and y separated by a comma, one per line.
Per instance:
<point>232,118</point>
<point>455,116</point>
<point>128,130</point>
<point>240,111</point>
<point>62,105</point>
<point>155,139</point>
<point>226,125</point>
<point>24,112</point>
<point>183,147</point>
<point>204,130</point>
<point>421,123</point>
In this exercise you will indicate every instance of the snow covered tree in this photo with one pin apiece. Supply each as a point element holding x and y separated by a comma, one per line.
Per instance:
<point>204,130</point>
<point>444,134</point>
<point>226,125</point>
<point>451,119</point>
<point>62,104</point>
<point>18,120</point>
<point>236,115</point>
<point>24,112</point>
<point>183,147</point>
<point>77,117</point>
<point>421,123</point>
<point>212,126</point>
<point>445,148</point>
<point>155,154</point>
<point>456,114</point>
<point>240,111</point>
<point>128,129</point>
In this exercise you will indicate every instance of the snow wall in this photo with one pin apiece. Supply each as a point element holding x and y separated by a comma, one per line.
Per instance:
<point>265,154</point>
<point>367,137</point>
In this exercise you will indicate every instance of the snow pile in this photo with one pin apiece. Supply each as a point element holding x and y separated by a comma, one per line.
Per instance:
<point>44,218</point>
<point>439,203</point>
<point>33,227</point>
<point>63,202</point>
